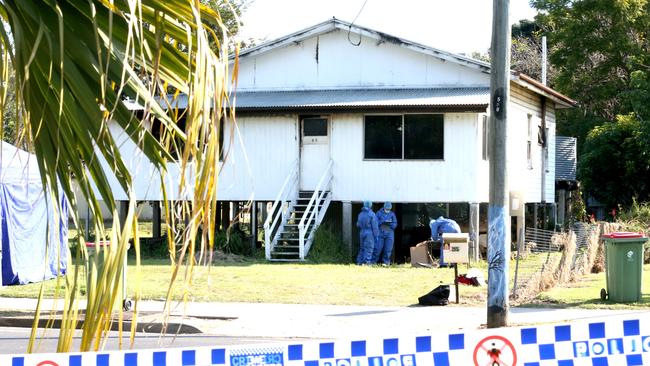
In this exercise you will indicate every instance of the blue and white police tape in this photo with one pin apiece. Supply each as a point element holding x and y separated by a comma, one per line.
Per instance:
<point>613,341</point>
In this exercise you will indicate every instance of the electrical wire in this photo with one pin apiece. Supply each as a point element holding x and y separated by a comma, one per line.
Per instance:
<point>351,24</point>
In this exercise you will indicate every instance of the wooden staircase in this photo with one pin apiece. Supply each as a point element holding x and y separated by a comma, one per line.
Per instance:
<point>287,247</point>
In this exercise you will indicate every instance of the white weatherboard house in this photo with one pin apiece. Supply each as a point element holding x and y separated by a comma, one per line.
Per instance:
<point>337,114</point>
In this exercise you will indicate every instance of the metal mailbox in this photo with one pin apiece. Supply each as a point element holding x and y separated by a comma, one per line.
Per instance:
<point>456,247</point>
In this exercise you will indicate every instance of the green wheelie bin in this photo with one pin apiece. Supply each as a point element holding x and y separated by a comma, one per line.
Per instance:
<point>94,266</point>
<point>624,266</point>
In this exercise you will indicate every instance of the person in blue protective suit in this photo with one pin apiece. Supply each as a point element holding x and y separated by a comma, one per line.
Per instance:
<point>440,226</point>
<point>387,222</point>
<point>368,232</point>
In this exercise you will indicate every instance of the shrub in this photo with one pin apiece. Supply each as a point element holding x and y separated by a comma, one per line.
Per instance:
<point>232,242</point>
<point>637,218</point>
<point>327,248</point>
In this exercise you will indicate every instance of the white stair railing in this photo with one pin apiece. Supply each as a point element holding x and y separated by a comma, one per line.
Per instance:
<point>274,223</point>
<point>315,211</point>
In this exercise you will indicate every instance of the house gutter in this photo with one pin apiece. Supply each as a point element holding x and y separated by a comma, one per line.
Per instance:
<point>468,108</point>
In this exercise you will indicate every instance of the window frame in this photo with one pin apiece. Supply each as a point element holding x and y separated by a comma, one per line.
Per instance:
<point>529,143</point>
<point>403,129</point>
<point>315,140</point>
<point>485,137</point>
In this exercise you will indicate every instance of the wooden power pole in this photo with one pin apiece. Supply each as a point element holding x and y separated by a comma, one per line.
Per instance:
<point>498,215</point>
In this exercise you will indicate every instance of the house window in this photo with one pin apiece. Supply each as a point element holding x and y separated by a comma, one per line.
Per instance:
<point>529,144</point>
<point>221,132</point>
<point>314,130</point>
<point>383,137</point>
<point>423,136</point>
<point>404,137</point>
<point>314,126</point>
<point>485,138</point>
<point>541,136</point>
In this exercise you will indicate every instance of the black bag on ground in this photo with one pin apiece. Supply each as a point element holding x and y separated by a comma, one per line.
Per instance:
<point>437,296</point>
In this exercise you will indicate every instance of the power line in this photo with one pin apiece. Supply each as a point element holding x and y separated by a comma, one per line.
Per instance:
<point>351,24</point>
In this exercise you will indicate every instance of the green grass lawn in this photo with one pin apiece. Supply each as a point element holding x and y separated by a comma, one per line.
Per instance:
<point>259,281</point>
<point>585,293</point>
<point>397,285</point>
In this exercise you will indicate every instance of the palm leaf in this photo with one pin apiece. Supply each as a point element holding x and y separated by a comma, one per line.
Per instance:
<point>77,62</point>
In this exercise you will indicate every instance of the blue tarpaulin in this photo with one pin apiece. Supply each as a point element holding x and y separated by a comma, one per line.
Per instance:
<point>33,231</point>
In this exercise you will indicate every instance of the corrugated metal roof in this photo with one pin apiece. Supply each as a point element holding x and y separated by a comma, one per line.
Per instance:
<point>457,99</point>
<point>363,98</point>
<point>565,158</point>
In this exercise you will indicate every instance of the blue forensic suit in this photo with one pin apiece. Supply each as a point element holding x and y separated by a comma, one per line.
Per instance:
<point>440,226</point>
<point>387,222</point>
<point>368,231</point>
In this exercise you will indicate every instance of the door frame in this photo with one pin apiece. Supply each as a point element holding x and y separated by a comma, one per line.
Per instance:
<point>315,140</point>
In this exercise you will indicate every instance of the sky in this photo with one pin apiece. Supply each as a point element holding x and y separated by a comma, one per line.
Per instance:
<point>458,26</point>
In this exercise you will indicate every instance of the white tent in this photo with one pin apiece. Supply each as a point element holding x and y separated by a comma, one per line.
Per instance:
<point>18,166</point>
<point>33,234</point>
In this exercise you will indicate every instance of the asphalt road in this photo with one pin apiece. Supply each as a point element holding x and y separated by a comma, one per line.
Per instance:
<point>14,340</point>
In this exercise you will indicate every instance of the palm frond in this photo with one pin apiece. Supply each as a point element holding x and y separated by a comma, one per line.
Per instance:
<point>79,65</point>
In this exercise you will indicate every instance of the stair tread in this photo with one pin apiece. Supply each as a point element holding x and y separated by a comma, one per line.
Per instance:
<point>287,241</point>
<point>285,260</point>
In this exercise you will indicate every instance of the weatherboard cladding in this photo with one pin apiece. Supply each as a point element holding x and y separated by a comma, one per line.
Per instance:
<point>565,159</point>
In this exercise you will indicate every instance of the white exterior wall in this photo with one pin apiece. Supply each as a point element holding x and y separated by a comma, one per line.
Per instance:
<point>263,150</point>
<point>146,178</point>
<point>482,183</point>
<point>343,65</point>
<point>453,179</point>
<point>550,173</point>
<point>522,177</point>
<point>261,153</point>
<point>257,168</point>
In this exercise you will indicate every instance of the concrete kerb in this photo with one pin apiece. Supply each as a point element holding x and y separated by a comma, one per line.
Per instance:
<point>147,323</point>
<point>309,321</point>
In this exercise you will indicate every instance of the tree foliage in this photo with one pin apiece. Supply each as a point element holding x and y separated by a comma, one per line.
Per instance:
<point>526,50</point>
<point>597,46</point>
<point>600,50</point>
<point>616,164</point>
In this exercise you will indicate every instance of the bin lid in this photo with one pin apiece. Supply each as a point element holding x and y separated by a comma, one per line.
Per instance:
<point>623,235</point>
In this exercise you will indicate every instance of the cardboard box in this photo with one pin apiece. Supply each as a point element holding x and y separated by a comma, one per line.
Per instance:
<point>420,256</point>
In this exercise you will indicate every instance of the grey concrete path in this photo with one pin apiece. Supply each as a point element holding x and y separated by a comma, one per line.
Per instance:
<point>333,321</point>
